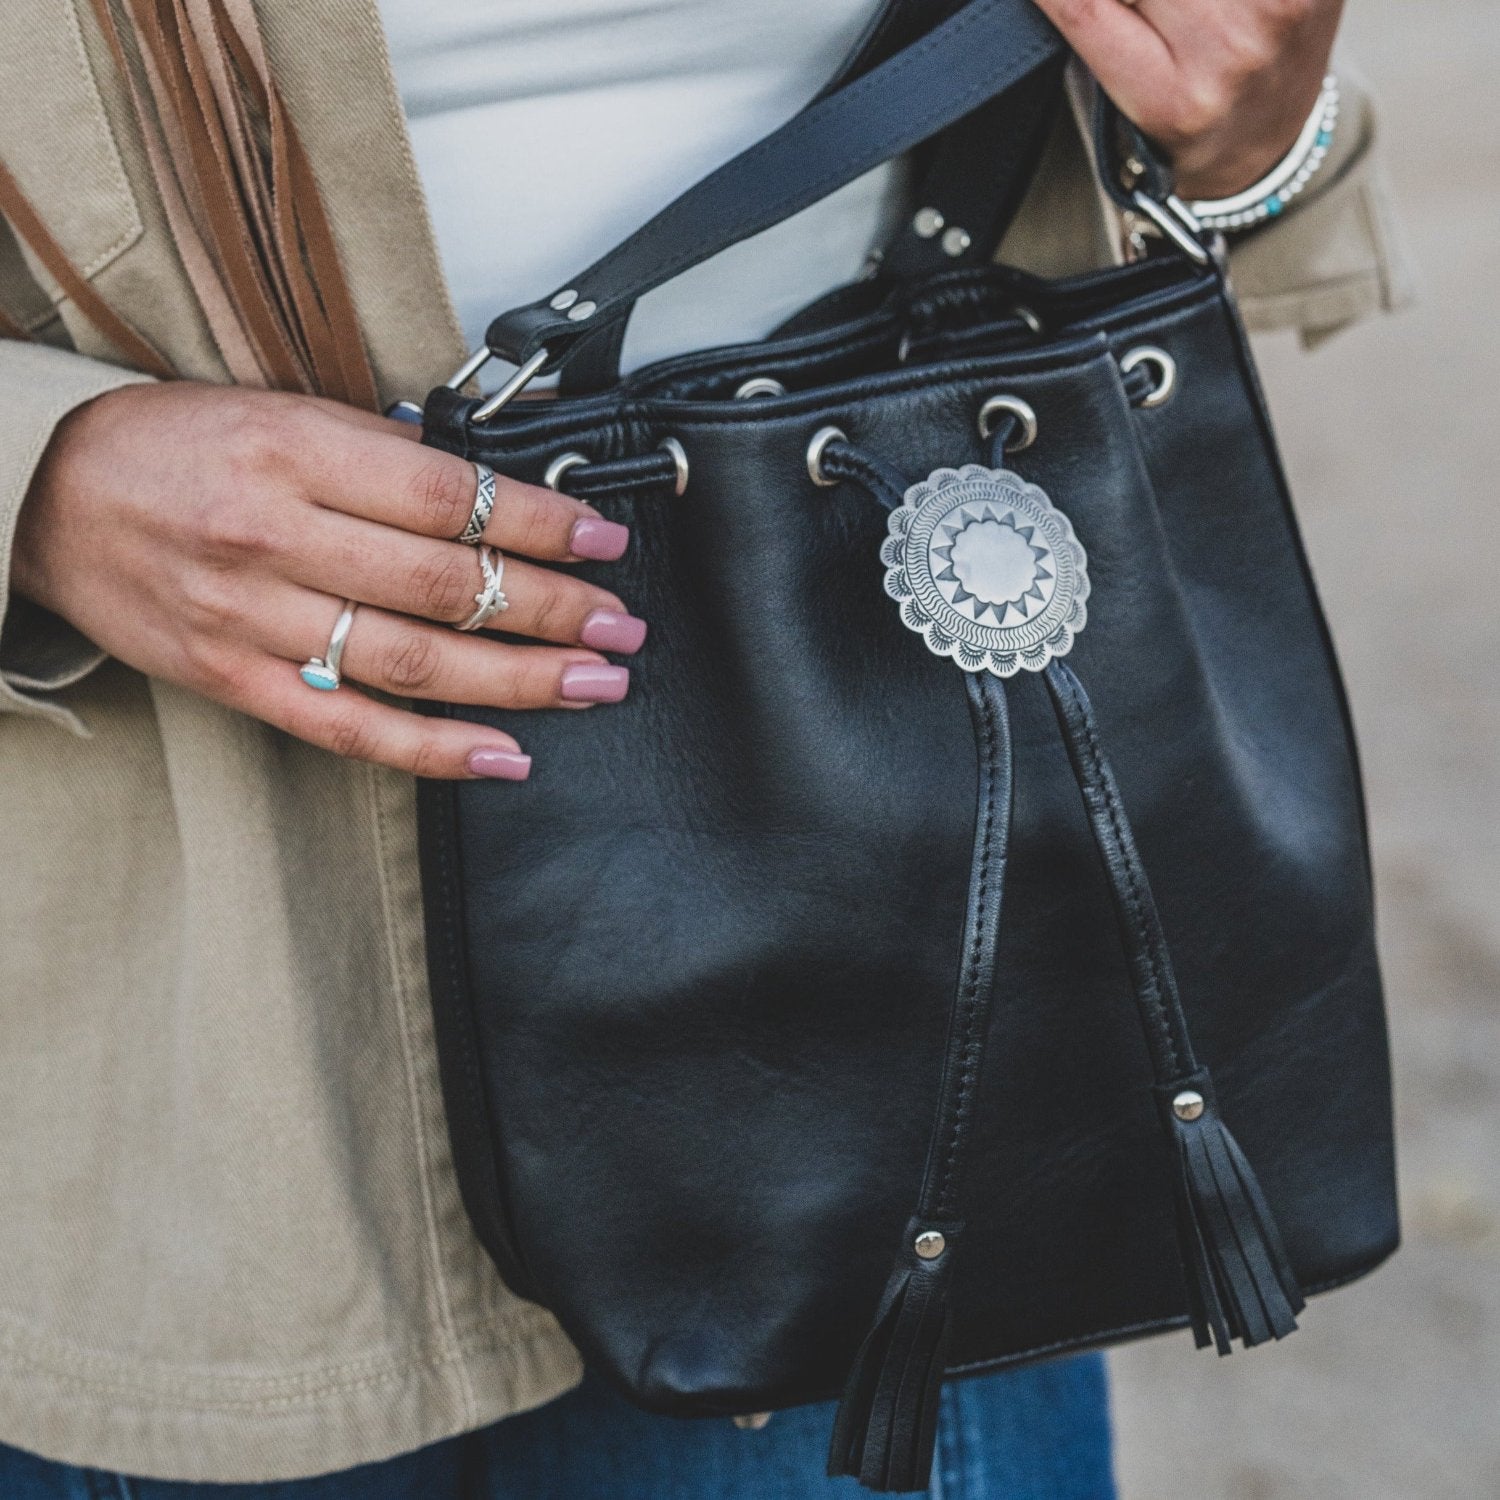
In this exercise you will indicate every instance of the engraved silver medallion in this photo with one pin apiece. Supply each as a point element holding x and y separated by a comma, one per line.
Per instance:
<point>987,570</point>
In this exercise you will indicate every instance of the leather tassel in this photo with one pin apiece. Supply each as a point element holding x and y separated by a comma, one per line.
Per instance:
<point>1240,1283</point>
<point>886,1427</point>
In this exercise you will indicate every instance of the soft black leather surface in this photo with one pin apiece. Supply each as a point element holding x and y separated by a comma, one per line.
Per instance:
<point>693,978</point>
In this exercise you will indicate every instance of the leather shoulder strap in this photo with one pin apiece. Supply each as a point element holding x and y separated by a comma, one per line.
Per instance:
<point>981,52</point>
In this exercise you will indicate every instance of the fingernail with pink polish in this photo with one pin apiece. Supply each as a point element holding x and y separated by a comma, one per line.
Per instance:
<point>499,765</point>
<point>599,540</point>
<point>610,630</point>
<point>594,682</point>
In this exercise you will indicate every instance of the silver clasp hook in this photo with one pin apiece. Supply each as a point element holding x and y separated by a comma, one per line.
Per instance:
<point>507,392</point>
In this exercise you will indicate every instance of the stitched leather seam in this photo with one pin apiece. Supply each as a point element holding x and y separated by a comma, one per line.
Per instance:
<point>971,1008</point>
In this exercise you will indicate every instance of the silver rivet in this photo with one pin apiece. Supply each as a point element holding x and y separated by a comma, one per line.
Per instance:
<point>927,222</point>
<point>930,1244</point>
<point>752,1421</point>
<point>956,241</point>
<point>582,310</point>
<point>1188,1105</point>
<point>563,300</point>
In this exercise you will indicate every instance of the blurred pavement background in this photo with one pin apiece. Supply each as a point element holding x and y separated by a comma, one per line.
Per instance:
<point>1392,435</point>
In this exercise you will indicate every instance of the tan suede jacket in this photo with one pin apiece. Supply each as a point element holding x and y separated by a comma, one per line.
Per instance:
<point>231,1242</point>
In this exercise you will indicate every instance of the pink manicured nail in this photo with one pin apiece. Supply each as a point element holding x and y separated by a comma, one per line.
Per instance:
<point>609,630</point>
<point>594,682</point>
<point>499,765</point>
<point>599,540</point>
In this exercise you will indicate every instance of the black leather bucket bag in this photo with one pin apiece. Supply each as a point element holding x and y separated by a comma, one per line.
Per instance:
<point>957,950</point>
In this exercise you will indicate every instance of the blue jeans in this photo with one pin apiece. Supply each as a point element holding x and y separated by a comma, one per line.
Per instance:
<point>1036,1434</point>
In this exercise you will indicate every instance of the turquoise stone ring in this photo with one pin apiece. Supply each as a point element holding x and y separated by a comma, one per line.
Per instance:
<point>322,672</point>
<point>316,675</point>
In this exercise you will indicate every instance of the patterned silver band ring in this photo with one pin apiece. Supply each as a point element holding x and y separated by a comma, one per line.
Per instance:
<point>323,672</point>
<point>484,504</point>
<point>490,599</point>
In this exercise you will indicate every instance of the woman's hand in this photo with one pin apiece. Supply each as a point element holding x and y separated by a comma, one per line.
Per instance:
<point>209,536</point>
<point>1223,86</point>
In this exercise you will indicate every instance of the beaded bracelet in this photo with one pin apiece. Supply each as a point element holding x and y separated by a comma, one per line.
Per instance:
<point>1274,192</point>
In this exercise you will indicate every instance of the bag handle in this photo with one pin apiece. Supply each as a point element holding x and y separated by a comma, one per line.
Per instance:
<point>981,52</point>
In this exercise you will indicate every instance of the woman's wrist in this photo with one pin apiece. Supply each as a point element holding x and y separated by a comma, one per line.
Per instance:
<point>1270,195</point>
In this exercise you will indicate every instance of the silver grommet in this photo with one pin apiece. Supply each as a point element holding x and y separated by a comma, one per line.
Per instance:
<point>761,385</point>
<point>1028,317</point>
<point>581,310</point>
<point>679,460</point>
<point>563,300</point>
<point>1015,407</point>
<point>752,1421</point>
<point>1166,372</point>
<point>929,1245</point>
<point>926,222</point>
<point>559,466</point>
<point>956,241</point>
<point>1189,1105</point>
<point>820,440</point>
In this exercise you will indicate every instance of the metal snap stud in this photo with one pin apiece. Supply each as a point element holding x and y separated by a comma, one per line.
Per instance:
<point>581,310</point>
<point>563,300</point>
<point>926,222</point>
<point>929,1245</point>
<point>1010,406</point>
<point>1166,372</point>
<point>1189,1105</point>
<point>956,241</point>
<point>752,1421</point>
<point>820,440</point>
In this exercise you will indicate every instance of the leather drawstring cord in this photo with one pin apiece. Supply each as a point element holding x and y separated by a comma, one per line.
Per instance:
<point>240,198</point>
<point>238,185</point>
<point>1239,1280</point>
<point>34,234</point>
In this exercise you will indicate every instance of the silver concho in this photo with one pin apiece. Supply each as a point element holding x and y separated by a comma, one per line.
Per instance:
<point>987,570</point>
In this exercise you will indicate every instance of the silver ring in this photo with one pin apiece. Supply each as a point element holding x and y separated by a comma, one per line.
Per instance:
<point>820,440</point>
<point>490,599</point>
<point>1166,372</point>
<point>1011,406</point>
<point>484,504</point>
<point>323,672</point>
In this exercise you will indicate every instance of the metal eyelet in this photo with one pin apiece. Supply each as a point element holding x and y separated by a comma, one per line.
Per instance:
<point>820,440</point>
<point>1166,373</point>
<point>679,461</point>
<point>760,385</point>
<point>1011,406</point>
<point>1028,317</point>
<point>560,465</point>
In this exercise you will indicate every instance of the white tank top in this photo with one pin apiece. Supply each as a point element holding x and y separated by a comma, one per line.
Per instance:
<point>545,131</point>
